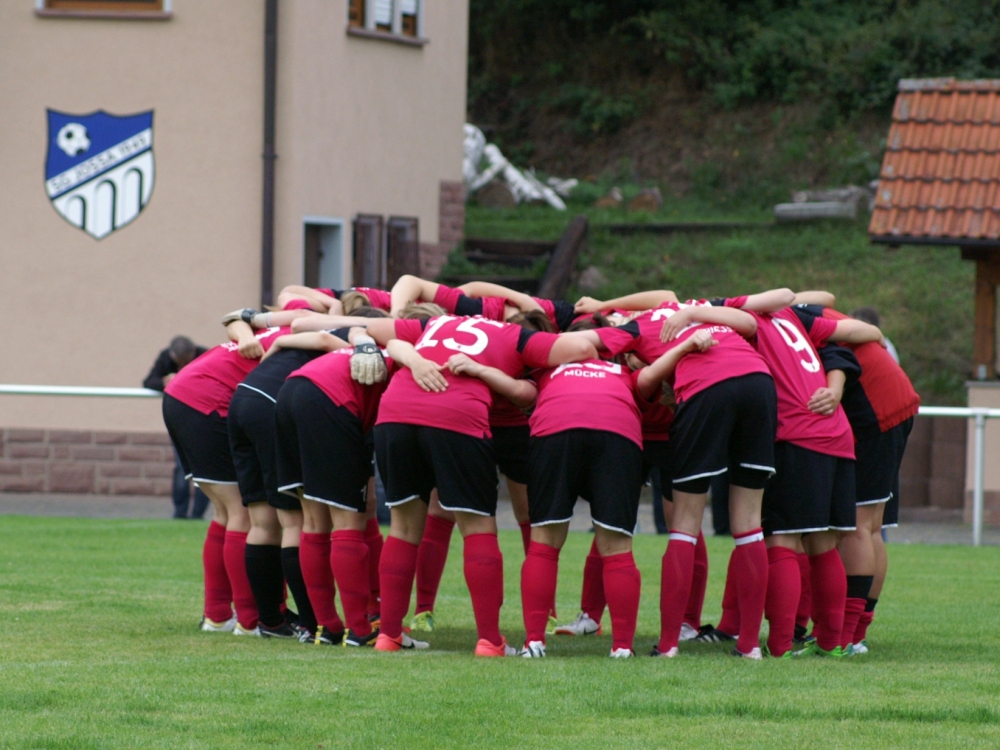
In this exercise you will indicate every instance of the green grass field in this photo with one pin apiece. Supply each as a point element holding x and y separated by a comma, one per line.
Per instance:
<point>100,649</point>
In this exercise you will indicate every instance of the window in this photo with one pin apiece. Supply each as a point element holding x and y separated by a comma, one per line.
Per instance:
<point>151,9</point>
<point>394,20</point>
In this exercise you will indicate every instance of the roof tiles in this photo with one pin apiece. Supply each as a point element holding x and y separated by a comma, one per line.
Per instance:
<point>940,177</point>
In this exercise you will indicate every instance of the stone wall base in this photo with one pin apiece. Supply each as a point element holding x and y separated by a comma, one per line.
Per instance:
<point>81,461</point>
<point>451,229</point>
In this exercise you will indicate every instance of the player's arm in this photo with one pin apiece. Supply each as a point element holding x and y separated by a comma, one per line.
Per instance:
<point>572,347</point>
<point>322,341</point>
<point>826,400</point>
<point>319,301</point>
<point>651,378</point>
<point>318,322</point>
<point>427,374</point>
<point>769,301</point>
<point>522,393</point>
<point>521,301</point>
<point>823,299</point>
<point>638,301</point>
<point>242,334</point>
<point>411,289</point>
<point>852,331</point>
<point>742,322</point>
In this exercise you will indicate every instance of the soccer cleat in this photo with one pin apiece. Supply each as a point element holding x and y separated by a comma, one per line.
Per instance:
<point>669,654</point>
<point>485,648</point>
<point>582,625</point>
<point>384,642</point>
<point>284,630</point>
<point>709,634</point>
<point>766,653</point>
<point>622,653</point>
<point>360,641</point>
<point>551,625</point>
<point>754,654</point>
<point>801,636</point>
<point>240,630</point>
<point>533,650</point>
<point>323,637</point>
<point>211,626</point>
<point>812,649</point>
<point>375,620</point>
<point>858,649</point>
<point>688,633</point>
<point>423,622</point>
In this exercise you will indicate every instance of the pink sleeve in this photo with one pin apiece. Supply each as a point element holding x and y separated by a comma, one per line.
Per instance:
<point>736,301</point>
<point>380,299</point>
<point>493,308</point>
<point>820,330</point>
<point>409,330</point>
<point>536,351</point>
<point>446,297</point>
<point>617,340</point>
<point>297,304</point>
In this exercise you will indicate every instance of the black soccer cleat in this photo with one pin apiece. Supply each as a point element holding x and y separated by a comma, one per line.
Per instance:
<point>323,637</point>
<point>284,630</point>
<point>360,641</point>
<point>713,635</point>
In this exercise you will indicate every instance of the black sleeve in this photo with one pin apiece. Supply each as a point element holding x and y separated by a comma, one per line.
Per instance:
<point>632,327</point>
<point>199,350</point>
<point>807,314</point>
<point>523,337</point>
<point>341,333</point>
<point>468,306</point>
<point>719,302</point>
<point>164,365</point>
<point>836,357</point>
<point>565,314</point>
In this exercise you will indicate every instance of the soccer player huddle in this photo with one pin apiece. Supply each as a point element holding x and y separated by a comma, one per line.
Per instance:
<point>797,406</point>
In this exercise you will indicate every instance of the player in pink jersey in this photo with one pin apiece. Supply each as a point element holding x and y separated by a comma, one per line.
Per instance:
<point>195,407</point>
<point>441,438</point>
<point>811,497</point>
<point>586,440</point>
<point>724,423</point>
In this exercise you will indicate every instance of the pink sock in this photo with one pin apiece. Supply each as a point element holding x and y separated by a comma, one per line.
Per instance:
<point>829,597</point>
<point>374,542</point>
<point>782,598</point>
<point>592,599</point>
<point>730,622</point>
<point>854,607</point>
<point>525,535</point>
<point>750,559</point>
<point>623,583</point>
<point>861,632</point>
<point>218,592</point>
<point>349,560</point>
<point>234,553</point>
<point>399,565</point>
<point>675,586</point>
<point>804,612</point>
<point>484,577</point>
<point>431,558</point>
<point>314,559</point>
<point>538,586</point>
<point>696,599</point>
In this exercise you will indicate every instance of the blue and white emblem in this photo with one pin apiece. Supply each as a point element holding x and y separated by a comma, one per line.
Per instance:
<point>99,168</point>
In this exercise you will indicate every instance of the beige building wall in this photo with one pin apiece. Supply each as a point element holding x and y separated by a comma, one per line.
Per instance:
<point>363,126</point>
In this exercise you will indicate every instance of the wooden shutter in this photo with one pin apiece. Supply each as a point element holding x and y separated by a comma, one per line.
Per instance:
<point>402,247</point>
<point>356,13</point>
<point>369,251</point>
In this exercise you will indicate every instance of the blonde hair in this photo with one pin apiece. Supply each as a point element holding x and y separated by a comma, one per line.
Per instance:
<point>421,311</point>
<point>352,300</point>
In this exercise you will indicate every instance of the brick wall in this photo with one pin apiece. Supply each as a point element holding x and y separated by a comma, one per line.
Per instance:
<point>109,463</point>
<point>451,228</point>
<point>933,470</point>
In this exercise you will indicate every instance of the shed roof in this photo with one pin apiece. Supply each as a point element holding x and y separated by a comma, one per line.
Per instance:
<point>940,178</point>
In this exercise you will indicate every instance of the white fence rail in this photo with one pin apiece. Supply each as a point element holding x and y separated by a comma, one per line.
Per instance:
<point>980,415</point>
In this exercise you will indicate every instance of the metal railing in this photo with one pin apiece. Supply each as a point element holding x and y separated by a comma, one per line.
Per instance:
<point>979,414</point>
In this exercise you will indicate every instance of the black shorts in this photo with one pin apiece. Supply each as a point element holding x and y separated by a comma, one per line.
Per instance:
<point>252,443</point>
<point>729,426</point>
<point>510,444</point>
<point>656,455</point>
<point>202,442</point>
<point>414,459</point>
<point>809,492</point>
<point>879,459</point>
<point>603,467</point>
<point>321,448</point>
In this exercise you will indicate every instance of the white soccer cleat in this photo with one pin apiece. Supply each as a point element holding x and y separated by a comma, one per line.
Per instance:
<point>533,650</point>
<point>622,653</point>
<point>754,654</point>
<point>668,654</point>
<point>240,630</point>
<point>687,633</point>
<point>582,625</point>
<point>211,626</point>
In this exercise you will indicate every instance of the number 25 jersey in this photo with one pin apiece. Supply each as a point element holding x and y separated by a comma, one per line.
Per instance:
<point>465,404</point>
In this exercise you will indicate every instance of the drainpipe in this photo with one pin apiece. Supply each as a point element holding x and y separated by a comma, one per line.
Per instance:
<point>270,87</point>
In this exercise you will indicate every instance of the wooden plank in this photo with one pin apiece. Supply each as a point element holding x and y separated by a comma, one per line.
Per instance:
<point>516,261</point>
<point>533,248</point>
<point>815,211</point>
<point>563,263</point>
<point>683,226</point>
<point>984,337</point>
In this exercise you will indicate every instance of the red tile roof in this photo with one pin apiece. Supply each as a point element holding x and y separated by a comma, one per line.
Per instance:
<point>940,179</point>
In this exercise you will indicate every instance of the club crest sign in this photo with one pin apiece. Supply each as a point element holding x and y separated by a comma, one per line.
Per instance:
<point>99,168</point>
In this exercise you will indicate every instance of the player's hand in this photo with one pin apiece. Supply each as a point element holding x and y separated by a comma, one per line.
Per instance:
<point>275,346</point>
<point>676,323</point>
<point>428,375</point>
<point>587,306</point>
<point>882,341</point>
<point>701,341</point>
<point>462,364</point>
<point>824,401</point>
<point>168,377</point>
<point>367,365</point>
<point>251,348</point>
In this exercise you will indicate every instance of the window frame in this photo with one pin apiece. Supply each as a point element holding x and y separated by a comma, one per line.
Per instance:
<point>134,10</point>
<point>370,30</point>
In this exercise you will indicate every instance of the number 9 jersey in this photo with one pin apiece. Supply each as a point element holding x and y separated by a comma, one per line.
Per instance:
<point>464,406</point>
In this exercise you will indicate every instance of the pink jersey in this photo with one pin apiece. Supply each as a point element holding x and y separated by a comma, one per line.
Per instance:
<point>504,414</point>
<point>380,300</point>
<point>590,395</point>
<point>456,302</point>
<point>656,418</point>
<point>733,357</point>
<point>208,383</point>
<point>331,373</point>
<point>297,304</point>
<point>790,352</point>
<point>464,406</point>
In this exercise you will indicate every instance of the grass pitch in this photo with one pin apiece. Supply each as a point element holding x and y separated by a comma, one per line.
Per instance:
<point>100,649</point>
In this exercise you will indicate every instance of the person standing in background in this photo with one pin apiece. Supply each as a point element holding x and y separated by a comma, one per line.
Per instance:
<point>870,315</point>
<point>169,362</point>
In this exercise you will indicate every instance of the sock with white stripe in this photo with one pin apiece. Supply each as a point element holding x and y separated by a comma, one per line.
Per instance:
<point>750,566</point>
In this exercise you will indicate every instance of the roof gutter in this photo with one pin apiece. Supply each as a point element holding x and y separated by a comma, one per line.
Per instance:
<point>270,91</point>
<point>897,240</point>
